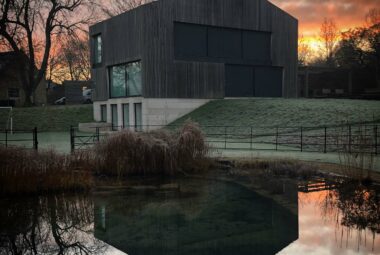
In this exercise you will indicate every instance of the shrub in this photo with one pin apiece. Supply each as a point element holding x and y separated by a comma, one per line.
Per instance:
<point>288,168</point>
<point>27,171</point>
<point>157,152</point>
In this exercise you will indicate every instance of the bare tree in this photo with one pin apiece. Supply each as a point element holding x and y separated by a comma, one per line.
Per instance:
<point>28,27</point>
<point>373,17</point>
<point>115,7</point>
<point>329,35</point>
<point>304,51</point>
<point>71,61</point>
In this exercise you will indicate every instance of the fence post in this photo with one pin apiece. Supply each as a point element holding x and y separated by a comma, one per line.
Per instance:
<point>35,139</point>
<point>376,145</point>
<point>301,139</point>
<point>251,138</point>
<point>225,137</point>
<point>97,134</point>
<point>72,139</point>
<point>325,147</point>
<point>276,138</point>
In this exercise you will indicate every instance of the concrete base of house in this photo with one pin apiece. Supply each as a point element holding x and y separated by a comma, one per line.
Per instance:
<point>156,112</point>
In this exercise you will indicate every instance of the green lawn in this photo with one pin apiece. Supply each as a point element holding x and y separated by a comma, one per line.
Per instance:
<point>285,112</point>
<point>48,118</point>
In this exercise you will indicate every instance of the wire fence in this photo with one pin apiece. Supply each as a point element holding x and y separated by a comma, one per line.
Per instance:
<point>19,138</point>
<point>347,139</point>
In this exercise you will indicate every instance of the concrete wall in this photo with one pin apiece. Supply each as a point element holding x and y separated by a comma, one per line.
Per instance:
<point>155,112</point>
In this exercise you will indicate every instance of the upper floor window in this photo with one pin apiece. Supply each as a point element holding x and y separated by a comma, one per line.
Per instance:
<point>125,80</point>
<point>98,49</point>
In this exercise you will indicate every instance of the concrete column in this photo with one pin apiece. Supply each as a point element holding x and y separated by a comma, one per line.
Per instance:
<point>109,113</point>
<point>132,113</point>
<point>120,115</point>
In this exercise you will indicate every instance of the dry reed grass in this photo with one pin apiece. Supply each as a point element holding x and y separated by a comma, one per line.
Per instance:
<point>27,171</point>
<point>356,156</point>
<point>289,168</point>
<point>126,153</point>
<point>152,153</point>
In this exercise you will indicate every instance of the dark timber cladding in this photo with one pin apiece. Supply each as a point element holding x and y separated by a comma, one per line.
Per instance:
<point>198,49</point>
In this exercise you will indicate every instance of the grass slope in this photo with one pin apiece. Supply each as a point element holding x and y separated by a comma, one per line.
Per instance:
<point>49,118</point>
<point>285,112</point>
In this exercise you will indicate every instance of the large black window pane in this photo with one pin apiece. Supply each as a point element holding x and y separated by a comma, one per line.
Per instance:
<point>190,40</point>
<point>97,49</point>
<point>224,43</point>
<point>239,81</point>
<point>134,79</point>
<point>117,81</point>
<point>268,81</point>
<point>257,46</point>
<point>103,113</point>
<point>125,80</point>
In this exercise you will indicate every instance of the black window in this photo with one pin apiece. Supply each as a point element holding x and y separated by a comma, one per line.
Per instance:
<point>256,46</point>
<point>125,80</point>
<point>126,123</point>
<point>221,44</point>
<point>239,81</point>
<point>268,81</point>
<point>115,117</point>
<point>103,113</point>
<point>13,92</point>
<point>98,54</point>
<point>190,40</point>
<point>138,117</point>
<point>224,43</point>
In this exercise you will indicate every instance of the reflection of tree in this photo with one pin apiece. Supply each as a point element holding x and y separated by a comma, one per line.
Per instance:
<point>360,207</point>
<point>355,207</point>
<point>48,225</point>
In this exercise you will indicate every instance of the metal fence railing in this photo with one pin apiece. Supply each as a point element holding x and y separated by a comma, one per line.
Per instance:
<point>20,138</point>
<point>348,139</point>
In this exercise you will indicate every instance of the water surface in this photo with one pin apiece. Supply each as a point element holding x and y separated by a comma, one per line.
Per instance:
<point>195,217</point>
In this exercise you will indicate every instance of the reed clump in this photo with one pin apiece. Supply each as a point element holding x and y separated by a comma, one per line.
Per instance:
<point>28,171</point>
<point>356,153</point>
<point>289,168</point>
<point>152,153</point>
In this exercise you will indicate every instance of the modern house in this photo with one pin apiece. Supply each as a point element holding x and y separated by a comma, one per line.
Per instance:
<point>11,87</point>
<point>162,60</point>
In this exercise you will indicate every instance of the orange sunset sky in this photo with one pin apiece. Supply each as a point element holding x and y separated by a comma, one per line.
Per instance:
<point>311,13</point>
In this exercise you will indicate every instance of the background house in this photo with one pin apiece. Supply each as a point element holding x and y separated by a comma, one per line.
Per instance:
<point>315,82</point>
<point>11,89</point>
<point>162,60</point>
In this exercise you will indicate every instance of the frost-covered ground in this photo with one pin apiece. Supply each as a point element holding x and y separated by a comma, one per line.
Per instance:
<point>332,158</point>
<point>285,112</point>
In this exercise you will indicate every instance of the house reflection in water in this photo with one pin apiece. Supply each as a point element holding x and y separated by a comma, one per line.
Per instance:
<point>197,217</point>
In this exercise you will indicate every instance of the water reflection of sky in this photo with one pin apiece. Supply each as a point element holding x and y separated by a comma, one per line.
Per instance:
<point>67,222</point>
<point>321,233</point>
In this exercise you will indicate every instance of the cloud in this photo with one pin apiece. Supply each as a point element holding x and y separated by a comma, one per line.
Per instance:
<point>311,13</point>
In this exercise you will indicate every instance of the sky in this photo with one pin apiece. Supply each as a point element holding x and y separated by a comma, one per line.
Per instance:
<point>311,13</point>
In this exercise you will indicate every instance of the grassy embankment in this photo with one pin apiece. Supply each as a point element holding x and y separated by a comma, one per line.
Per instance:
<point>285,112</point>
<point>48,118</point>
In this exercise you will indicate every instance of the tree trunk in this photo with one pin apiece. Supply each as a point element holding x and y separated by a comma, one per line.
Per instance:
<point>28,95</point>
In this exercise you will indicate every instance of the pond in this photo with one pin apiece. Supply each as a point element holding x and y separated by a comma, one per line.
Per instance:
<point>194,216</point>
